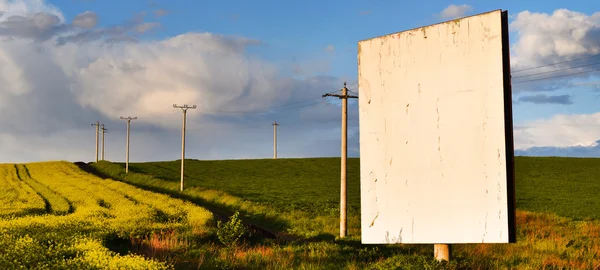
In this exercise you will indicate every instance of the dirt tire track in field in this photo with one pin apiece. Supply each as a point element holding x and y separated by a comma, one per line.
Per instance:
<point>160,214</point>
<point>158,211</point>
<point>99,200</point>
<point>48,206</point>
<point>16,191</point>
<point>219,213</point>
<point>44,191</point>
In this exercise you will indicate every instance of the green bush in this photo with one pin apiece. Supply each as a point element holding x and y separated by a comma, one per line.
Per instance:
<point>230,232</point>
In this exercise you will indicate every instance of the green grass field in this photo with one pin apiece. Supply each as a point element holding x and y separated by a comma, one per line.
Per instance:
<point>557,202</point>
<point>565,186</point>
<point>310,184</point>
<point>568,187</point>
<point>299,196</point>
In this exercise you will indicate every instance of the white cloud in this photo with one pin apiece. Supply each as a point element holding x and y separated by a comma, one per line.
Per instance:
<point>543,40</point>
<point>547,39</point>
<point>455,11</point>
<point>51,93</point>
<point>559,131</point>
<point>204,69</point>
<point>145,27</point>
<point>86,19</point>
<point>28,7</point>
<point>569,151</point>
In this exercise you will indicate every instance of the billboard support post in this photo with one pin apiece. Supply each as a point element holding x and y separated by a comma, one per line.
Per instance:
<point>441,252</point>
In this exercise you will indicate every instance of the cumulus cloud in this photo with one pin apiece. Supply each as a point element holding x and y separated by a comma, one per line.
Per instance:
<point>550,38</point>
<point>455,11</point>
<point>569,151</point>
<point>28,7</point>
<point>554,49</point>
<point>207,69</point>
<point>86,20</point>
<point>561,130</point>
<point>36,21</point>
<point>145,27</point>
<point>39,26</point>
<point>53,90</point>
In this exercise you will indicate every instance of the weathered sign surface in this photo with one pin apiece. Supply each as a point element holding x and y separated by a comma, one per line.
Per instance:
<point>436,146</point>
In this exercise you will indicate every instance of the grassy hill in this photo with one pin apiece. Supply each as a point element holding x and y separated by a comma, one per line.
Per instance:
<point>311,184</point>
<point>301,196</point>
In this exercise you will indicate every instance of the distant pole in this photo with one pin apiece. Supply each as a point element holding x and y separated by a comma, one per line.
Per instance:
<point>343,212</point>
<point>275,139</point>
<point>183,108</point>
<point>129,118</point>
<point>103,131</point>
<point>97,124</point>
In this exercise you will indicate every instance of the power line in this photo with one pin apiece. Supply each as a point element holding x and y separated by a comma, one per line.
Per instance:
<point>557,70</point>
<point>559,76</point>
<point>557,63</point>
<point>267,110</point>
<point>291,105</point>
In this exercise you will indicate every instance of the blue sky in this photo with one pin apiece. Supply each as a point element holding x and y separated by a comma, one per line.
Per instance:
<point>273,56</point>
<point>300,29</point>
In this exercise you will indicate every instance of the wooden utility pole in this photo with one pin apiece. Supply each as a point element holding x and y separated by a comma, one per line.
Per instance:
<point>97,124</point>
<point>129,118</point>
<point>184,108</point>
<point>103,131</point>
<point>343,212</point>
<point>275,139</point>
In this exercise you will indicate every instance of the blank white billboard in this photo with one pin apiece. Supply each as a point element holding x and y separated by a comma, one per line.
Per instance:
<point>436,145</point>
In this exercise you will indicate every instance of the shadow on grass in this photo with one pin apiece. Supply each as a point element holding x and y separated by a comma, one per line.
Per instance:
<point>257,224</point>
<point>89,169</point>
<point>25,212</point>
<point>163,168</point>
<point>321,237</point>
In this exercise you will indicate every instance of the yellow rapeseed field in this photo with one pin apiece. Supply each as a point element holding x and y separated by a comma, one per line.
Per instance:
<point>55,216</point>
